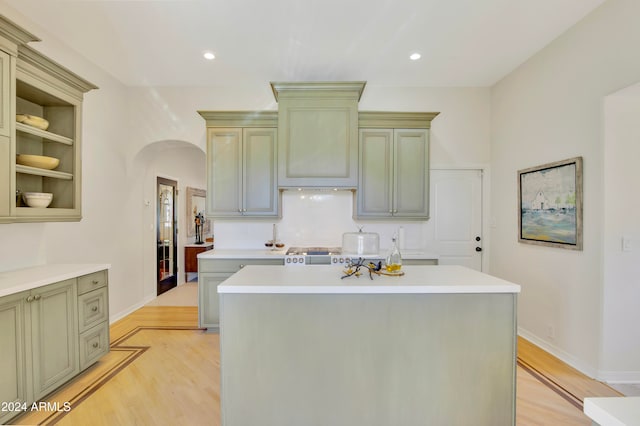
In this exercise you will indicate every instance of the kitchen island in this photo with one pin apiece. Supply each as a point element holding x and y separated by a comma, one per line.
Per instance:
<point>301,346</point>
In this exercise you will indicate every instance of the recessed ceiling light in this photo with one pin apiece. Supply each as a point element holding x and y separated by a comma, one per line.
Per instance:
<point>415,56</point>
<point>209,55</point>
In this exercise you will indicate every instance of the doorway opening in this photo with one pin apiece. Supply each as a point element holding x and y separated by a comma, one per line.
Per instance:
<point>167,260</point>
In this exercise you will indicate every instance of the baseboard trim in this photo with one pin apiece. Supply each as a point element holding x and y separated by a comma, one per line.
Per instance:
<point>563,356</point>
<point>115,317</point>
<point>620,377</point>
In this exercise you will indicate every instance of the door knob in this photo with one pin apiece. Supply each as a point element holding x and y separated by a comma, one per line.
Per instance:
<point>478,248</point>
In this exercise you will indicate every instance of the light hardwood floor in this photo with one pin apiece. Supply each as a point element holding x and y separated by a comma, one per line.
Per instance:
<point>163,370</point>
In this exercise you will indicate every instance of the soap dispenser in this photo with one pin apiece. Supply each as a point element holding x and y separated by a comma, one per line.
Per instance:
<point>394,258</point>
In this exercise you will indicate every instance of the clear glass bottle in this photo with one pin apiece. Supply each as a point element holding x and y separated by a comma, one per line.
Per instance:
<point>394,258</point>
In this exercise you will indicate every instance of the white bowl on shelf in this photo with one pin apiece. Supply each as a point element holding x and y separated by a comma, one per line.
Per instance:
<point>37,199</point>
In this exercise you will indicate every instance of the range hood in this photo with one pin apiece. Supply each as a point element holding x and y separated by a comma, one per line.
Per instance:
<point>318,133</point>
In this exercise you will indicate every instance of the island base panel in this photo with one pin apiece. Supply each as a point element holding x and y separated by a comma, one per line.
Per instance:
<point>356,359</point>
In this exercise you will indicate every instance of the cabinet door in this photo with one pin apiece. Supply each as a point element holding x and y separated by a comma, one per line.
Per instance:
<point>224,172</point>
<point>5,91</point>
<point>376,167</point>
<point>54,336</point>
<point>318,142</point>
<point>260,188</point>
<point>12,352</point>
<point>208,301</point>
<point>411,174</point>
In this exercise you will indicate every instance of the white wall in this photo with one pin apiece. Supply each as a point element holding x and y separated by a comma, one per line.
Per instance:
<point>549,109</point>
<point>621,342</point>
<point>103,234</point>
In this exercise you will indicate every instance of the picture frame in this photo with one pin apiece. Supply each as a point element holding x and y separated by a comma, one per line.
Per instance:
<point>196,202</point>
<point>550,204</point>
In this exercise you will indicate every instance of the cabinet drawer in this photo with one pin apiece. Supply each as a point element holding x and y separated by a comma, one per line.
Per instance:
<point>93,281</point>
<point>93,344</point>
<point>233,265</point>
<point>92,308</point>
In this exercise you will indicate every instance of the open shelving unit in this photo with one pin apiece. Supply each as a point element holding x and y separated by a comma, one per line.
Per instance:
<point>36,85</point>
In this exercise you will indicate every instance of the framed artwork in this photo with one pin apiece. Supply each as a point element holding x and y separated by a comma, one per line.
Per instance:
<point>550,204</point>
<point>196,199</point>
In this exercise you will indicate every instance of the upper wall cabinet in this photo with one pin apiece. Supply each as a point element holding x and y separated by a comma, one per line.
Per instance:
<point>318,133</point>
<point>394,166</point>
<point>241,164</point>
<point>38,87</point>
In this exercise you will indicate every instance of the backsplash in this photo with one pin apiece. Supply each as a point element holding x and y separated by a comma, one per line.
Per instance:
<point>313,218</point>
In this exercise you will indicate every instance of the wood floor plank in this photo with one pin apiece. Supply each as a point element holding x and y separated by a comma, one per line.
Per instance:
<point>162,370</point>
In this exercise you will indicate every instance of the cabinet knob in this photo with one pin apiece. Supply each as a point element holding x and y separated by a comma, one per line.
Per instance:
<point>36,297</point>
<point>241,265</point>
<point>94,282</point>
<point>94,309</point>
<point>29,298</point>
<point>95,344</point>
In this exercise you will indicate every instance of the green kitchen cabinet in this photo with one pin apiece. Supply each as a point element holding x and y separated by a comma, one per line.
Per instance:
<point>39,341</point>
<point>241,165</point>
<point>53,348</point>
<point>318,133</point>
<point>211,272</point>
<point>32,84</point>
<point>5,90</point>
<point>13,388</point>
<point>394,166</point>
<point>394,174</point>
<point>48,335</point>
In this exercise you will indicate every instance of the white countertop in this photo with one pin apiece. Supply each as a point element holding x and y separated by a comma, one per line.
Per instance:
<point>12,282</point>
<point>614,411</point>
<point>325,279</point>
<point>270,254</point>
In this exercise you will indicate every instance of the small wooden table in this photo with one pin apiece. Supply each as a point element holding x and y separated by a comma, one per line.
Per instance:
<point>191,257</point>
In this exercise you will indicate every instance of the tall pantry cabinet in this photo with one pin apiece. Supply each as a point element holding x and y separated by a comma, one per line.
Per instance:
<point>32,84</point>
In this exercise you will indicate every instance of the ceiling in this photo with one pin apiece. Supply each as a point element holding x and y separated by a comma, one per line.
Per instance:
<point>161,42</point>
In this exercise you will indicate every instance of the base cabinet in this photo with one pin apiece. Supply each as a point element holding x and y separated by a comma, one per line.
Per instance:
<point>54,336</point>
<point>48,335</point>
<point>211,272</point>
<point>13,380</point>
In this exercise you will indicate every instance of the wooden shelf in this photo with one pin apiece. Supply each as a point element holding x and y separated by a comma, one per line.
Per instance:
<point>43,134</point>
<point>43,172</point>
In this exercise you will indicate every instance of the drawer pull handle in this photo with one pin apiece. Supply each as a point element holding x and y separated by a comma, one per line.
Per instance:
<point>94,309</point>
<point>94,282</point>
<point>95,344</point>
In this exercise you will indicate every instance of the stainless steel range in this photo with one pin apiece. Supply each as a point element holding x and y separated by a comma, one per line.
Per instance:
<point>297,256</point>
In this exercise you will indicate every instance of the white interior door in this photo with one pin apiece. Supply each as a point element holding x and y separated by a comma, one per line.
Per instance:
<point>456,217</point>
